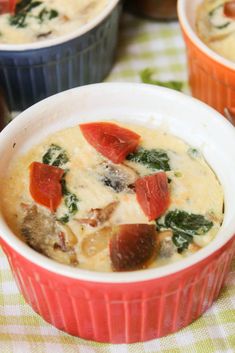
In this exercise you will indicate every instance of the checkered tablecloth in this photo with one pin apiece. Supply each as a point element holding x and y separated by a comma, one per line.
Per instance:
<point>143,44</point>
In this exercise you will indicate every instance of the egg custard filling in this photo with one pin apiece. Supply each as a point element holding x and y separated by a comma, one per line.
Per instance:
<point>107,196</point>
<point>37,20</point>
<point>215,25</point>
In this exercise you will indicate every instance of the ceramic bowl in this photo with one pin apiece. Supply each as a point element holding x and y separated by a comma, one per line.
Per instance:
<point>135,306</point>
<point>34,71</point>
<point>211,77</point>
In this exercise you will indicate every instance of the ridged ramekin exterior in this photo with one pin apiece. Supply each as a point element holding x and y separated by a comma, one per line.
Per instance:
<point>32,75</point>
<point>210,81</point>
<point>125,312</point>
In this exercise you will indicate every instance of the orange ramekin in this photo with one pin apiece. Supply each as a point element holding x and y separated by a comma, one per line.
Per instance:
<point>124,307</point>
<point>211,77</point>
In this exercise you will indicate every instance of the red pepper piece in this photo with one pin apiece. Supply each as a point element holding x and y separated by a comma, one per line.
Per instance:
<point>112,141</point>
<point>153,195</point>
<point>7,6</point>
<point>45,184</point>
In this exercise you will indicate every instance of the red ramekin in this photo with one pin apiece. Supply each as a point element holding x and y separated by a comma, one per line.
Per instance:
<point>133,306</point>
<point>211,77</point>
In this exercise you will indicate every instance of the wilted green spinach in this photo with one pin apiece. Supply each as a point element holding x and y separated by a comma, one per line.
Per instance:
<point>70,201</point>
<point>23,11</point>
<point>184,226</point>
<point>55,156</point>
<point>155,159</point>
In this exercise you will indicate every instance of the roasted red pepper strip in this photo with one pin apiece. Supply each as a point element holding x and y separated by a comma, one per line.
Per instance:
<point>153,195</point>
<point>229,9</point>
<point>7,6</point>
<point>45,185</point>
<point>112,141</point>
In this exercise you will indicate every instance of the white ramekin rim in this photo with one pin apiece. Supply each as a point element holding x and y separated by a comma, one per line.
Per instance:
<point>64,38</point>
<point>183,19</point>
<point>224,235</point>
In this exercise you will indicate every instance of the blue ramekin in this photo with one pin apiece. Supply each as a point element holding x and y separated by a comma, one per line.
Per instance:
<point>34,71</point>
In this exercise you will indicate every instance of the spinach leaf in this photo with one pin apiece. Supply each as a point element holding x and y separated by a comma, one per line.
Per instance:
<point>21,11</point>
<point>155,159</point>
<point>22,5</point>
<point>70,201</point>
<point>63,219</point>
<point>146,77</point>
<point>55,156</point>
<point>47,14</point>
<point>184,226</point>
<point>182,241</point>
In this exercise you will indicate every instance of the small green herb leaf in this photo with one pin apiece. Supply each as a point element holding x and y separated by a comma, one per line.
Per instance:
<point>146,77</point>
<point>55,156</point>
<point>155,159</point>
<point>193,153</point>
<point>184,226</point>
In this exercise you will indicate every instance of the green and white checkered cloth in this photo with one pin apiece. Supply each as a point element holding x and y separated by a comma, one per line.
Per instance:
<point>143,44</point>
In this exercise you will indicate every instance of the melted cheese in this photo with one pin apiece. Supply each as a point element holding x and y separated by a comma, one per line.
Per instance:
<point>194,188</point>
<point>215,29</point>
<point>40,23</point>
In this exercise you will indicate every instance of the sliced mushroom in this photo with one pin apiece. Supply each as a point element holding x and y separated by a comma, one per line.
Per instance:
<point>98,216</point>
<point>42,233</point>
<point>166,247</point>
<point>96,242</point>
<point>120,178</point>
<point>72,239</point>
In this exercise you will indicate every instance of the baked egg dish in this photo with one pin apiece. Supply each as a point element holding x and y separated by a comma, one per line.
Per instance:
<point>215,25</point>
<point>34,20</point>
<point>107,196</point>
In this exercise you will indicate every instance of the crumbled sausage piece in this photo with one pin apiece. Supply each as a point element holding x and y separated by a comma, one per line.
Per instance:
<point>42,233</point>
<point>98,216</point>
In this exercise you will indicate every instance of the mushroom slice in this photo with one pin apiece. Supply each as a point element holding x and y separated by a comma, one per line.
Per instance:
<point>96,242</point>
<point>71,237</point>
<point>165,245</point>
<point>43,234</point>
<point>98,216</point>
<point>132,246</point>
<point>120,178</point>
